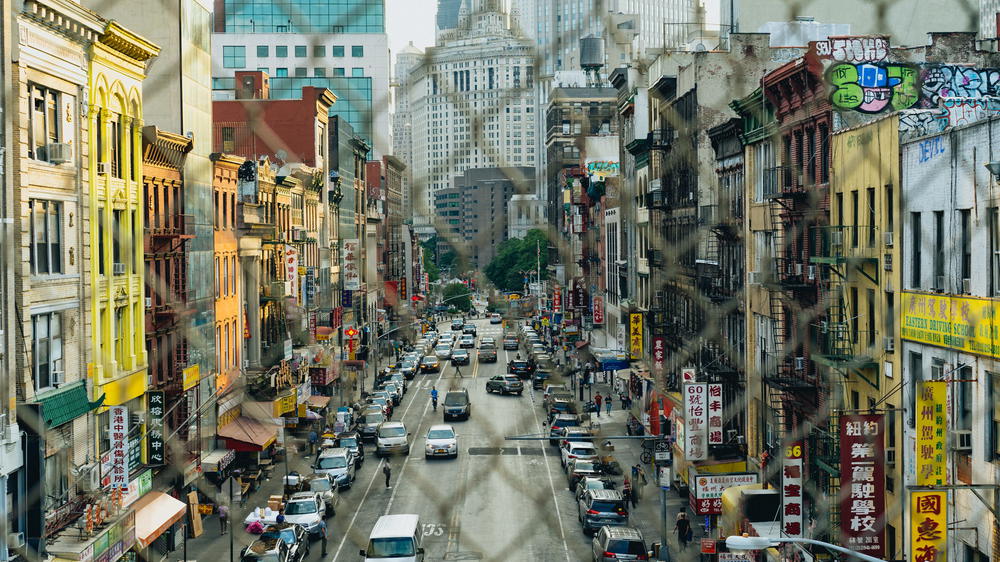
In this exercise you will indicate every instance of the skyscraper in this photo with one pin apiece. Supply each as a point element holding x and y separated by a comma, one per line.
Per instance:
<point>408,58</point>
<point>447,14</point>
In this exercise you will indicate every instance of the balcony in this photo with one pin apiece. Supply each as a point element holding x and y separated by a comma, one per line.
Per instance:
<point>655,198</point>
<point>171,307</point>
<point>662,139</point>
<point>172,226</point>
<point>835,245</point>
<point>839,342</point>
<point>778,183</point>
<point>789,274</point>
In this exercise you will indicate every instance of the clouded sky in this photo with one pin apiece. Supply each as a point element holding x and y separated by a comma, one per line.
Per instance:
<point>410,20</point>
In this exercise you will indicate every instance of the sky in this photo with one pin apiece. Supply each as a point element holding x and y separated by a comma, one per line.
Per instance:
<point>410,20</point>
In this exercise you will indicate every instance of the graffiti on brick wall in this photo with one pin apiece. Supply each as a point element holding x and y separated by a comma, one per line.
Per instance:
<point>964,111</point>
<point>951,81</point>
<point>915,123</point>
<point>872,88</point>
<point>853,49</point>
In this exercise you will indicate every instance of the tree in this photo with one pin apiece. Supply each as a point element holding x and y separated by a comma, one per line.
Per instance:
<point>430,268</point>
<point>458,296</point>
<point>516,256</point>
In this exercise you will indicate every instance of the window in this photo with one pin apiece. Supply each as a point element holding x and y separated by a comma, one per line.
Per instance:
<point>871,317</point>
<point>234,56</point>
<point>263,51</point>
<point>218,277</point>
<point>963,408</point>
<point>357,72</point>
<point>871,217</point>
<point>281,51</point>
<point>281,72</point>
<point>993,222</point>
<point>319,50</point>
<point>232,278</point>
<point>993,417</point>
<point>264,69</point>
<point>915,258</point>
<point>46,237</point>
<point>45,128</point>
<point>337,51</point>
<point>300,51</point>
<point>339,72</point>
<point>855,313</point>
<point>46,345</point>
<point>319,72</point>
<point>100,240</point>
<point>225,277</point>
<point>301,72</point>
<point>115,144</point>
<point>228,139</point>
<point>916,377</point>
<point>854,219</point>
<point>939,250</point>
<point>120,331</point>
<point>117,234</point>
<point>358,51</point>
<point>965,220</point>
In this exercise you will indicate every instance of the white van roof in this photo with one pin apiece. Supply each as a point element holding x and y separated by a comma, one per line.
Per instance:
<point>400,525</point>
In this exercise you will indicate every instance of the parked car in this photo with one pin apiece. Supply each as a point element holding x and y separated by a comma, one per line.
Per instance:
<point>549,389</point>
<point>460,357</point>
<point>559,421</point>
<point>579,468</point>
<point>368,423</point>
<point>447,338</point>
<point>306,509</point>
<point>337,462</point>
<point>505,384</point>
<point>572,450</point>
<point>598,508</point>
<point>441,441</point>
<point>391,438</point>
<point>510,342</point>
<point>592,483</point>
<point>430,364</point>
<point>540,378</point>
<point>457,405</point>
<point>326,487</point>
<point>399,379</point>
<point>408,369</point>
<point>561,406</point>
<point>351,440</point>
<point>619,543</point>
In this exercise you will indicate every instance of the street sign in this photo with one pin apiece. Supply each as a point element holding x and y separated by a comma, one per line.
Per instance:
<point>708,546</point>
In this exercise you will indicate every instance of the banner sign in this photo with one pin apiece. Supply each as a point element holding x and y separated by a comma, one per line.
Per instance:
<point>635,335</point>
<point>191,376</point>
<point>578,298</point>
<point>346,299</point>
<point>154,431</point>
<point>792,499</point>
<point>962,323</point>
<point>598,303</point>
<point>292,270</point>
<point>929,531</point>
<point>715,414</point>
<point>118,423</point>
<point>862,483</point>
<point>931,431</point>
<point>557,300</point>
<point>695,421</point>
<point>659,355</point>
<point>402,289</point>
<point>708,488</point>
<point>350,271</point>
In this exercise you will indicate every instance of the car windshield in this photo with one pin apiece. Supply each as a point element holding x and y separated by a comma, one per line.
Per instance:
<point>392,432</point>
<point>440,434</point>
<point>332,462</point>
<point>374,418</point>
<point>461,353</point>
<point>390,548</point>
<point>430,359</point>
<point>519,364</point>
<point>626,547</point>
<point>513,379</point>
<point>320,485</point>
<point>408,364</point>
<point>442,348</point>
<point>348,442</point>
<point>605,505</point>
<point>565,423</point>
<point>300,508</point>
<point>582,451</point>
<point>583,465</point>
<point>287,534</point>
<point>595,485</point>
<point>456,399</point>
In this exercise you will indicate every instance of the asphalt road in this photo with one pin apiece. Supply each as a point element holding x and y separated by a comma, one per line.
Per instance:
<point>499,500</point>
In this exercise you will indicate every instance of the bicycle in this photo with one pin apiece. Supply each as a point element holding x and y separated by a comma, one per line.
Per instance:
<point>434,403</point>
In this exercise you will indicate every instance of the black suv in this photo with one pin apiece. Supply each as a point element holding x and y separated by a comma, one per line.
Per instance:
<point>457,405</point>
<point>456,325</point>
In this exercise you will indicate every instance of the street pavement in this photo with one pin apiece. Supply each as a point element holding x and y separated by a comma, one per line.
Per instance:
<point>499,500</point>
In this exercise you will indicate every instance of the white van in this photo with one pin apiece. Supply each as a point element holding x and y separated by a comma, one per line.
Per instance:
<point>395,537</point>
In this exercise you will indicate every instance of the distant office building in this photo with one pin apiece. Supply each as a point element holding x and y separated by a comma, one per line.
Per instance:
<point>408,58</point>
<point>447,14</point>
<point>340,45</point>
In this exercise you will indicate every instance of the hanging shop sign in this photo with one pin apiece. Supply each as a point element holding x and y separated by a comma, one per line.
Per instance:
<point>659,355</point>
<point>715,414</point>
<point>154,429</point>
<point>931,433</point>
<point>792,499</point>
<point>350,270</point>
<point>708,488</point>
<point>929,531</point>
<point>635,335</point>
<point>292,270</point>
<point>862,481</point>
<point>598,310</point>
<point>118,423</point>
<point>346,299</point>
<point>695,421</point>
<point>191,376</point>
<point>557,300</point>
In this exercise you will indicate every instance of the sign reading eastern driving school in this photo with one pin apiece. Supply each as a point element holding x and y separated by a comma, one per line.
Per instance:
<point>963,323</point>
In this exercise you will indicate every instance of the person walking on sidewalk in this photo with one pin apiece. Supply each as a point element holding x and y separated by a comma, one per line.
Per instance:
<point>387,471</point>
<point>628,493</point>
<point>313,438</point>
<point>223,518</point>
<point>597,400</point>
<point>322,525</point>
<point>683,530</point>
<point>607,403</point>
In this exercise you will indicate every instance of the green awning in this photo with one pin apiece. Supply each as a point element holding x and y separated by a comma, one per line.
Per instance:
<point>65,404</point>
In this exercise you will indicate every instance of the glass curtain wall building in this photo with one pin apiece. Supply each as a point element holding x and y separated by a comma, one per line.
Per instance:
<point>304,16</point>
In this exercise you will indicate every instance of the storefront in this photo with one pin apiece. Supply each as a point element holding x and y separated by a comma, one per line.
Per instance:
<point>111,543</point>
<point>253,440</point>
<point>218,464</point>
<point>158,525</point>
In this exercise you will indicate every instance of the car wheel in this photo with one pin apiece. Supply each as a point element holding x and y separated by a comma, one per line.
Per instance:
<point>407,451</point>
<point>427,457</point>
<point>520,393</point>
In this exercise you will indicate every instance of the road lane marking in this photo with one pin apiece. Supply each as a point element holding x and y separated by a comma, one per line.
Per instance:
<point>406,460</point>
<point>552,486</point>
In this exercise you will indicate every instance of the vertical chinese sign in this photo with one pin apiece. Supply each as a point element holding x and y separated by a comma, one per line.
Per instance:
<point>598,310</point>
<point>659,355</point>
<point>557,300</point>
<point>695,421</point>
<point>715,414</point>
<point>635,335</point>
<point>929,510</point>
<point>792,499</point>
<point>118,438</point>
<point>292,270</point>
<point>351,272</point>
<point>862,484</point>
<point>154,431</point>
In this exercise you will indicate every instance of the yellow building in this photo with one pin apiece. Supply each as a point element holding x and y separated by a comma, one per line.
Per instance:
<point>117,291</point>
<point>862,252</point>
<point>229,327</point>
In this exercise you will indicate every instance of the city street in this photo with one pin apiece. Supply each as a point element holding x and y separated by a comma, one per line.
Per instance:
<point>473,507</point>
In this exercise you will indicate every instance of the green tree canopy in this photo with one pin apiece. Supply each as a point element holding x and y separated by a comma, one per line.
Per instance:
<point>515,256</point>
<point>458,295</point>
<point>430,268</point>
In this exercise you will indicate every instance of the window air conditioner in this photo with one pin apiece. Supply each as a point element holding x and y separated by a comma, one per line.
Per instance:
<point>58,377</point>
<point>837,238</point>
<point>15,540</point>
<point>962,441</point>
<point>812,272</point>
<point>149,302</point>
<point>890,456</point>
<point>800,363</point>
<point>58,153</point>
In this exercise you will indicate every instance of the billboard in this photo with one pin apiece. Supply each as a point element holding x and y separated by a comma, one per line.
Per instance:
<point>862,483</point>
<point>708,488</point>
<point>962,323</point>
<point>635,335</point>
<point>351,269</point>
<point>695,421</point>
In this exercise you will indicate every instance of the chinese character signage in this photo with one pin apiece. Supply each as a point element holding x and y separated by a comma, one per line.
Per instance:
<point>578,298</point>
<point>557,300</point>
<point>635,335</point>
<point>118,438</point>
<point>792,501</point>
<point>715,414</point>
<point>962,323</point>
<point>191,376</point>
<point>402,289</point>
<point>154,429</point>
<point>707,497</point>
<point>292,270</point>
<point>346,299</point>
<point>598,310</point>
<point>862,484</point>
<point>931,429</point>
<point>351,270</point>
<point>695,421</point>
<point>659,355</point>
<point>929,520</point>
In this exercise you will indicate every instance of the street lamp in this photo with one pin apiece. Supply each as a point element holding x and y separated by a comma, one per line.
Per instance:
<point>746,542</point>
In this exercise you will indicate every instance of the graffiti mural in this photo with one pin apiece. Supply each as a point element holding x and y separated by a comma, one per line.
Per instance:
<point>914,123</point>
<point>963,111</point>
<point>871,88</point>
<point>951,81</point>
<point>853,49</point>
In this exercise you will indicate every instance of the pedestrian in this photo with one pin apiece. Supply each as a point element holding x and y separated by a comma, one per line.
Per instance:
<point>322,525</point>
<point>597,400</point>
<point>607,403</point>
<point>387,471</point>
<point>621,399</point>
<point>313,438</point>
<point>683,529</point>
<point>223,518</point>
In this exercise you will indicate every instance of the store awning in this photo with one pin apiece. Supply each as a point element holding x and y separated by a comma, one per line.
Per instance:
<point>581,344</point>
<point>318,402</point>
<point>65,404</point>
<point>155,513</point>
<point>217,460</point>
<point>248,435</point>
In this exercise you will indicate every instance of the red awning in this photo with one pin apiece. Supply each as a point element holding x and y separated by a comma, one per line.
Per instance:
<point>248,435</point>
<point>581,344</point>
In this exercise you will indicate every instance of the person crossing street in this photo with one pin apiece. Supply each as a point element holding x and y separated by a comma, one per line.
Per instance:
<point>387,471</point>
